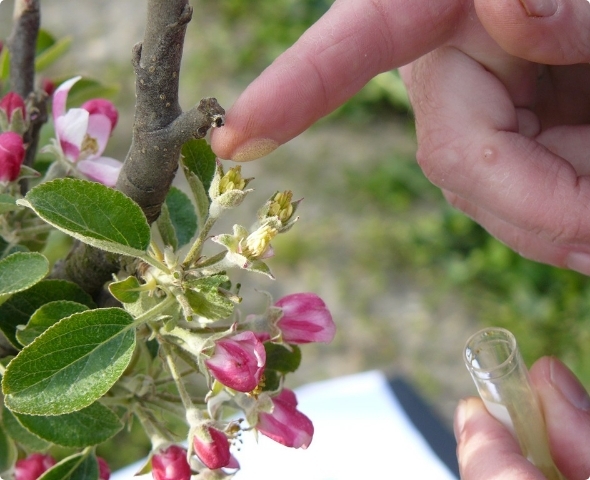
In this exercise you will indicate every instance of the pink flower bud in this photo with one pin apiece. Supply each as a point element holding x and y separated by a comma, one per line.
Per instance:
<point>212,447</point>
<point>171,464</point>
<point>102,107</point>
<point>32,467</point>
<point>47,86</point>
<point>103,469</point>
<point>305,319</point>
<point>12,154</point>
<point>238,361</point>
<point>10,103</point>
<point>285,424</point>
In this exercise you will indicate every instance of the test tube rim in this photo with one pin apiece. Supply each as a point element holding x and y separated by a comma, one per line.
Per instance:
<point>501,369</point>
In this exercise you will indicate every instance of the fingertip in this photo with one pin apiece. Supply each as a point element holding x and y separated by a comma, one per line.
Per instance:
<point>550,371</point>
<point>253,149</point>
<point>228,146</point>
<point>466,409</point>
<point>544,31</point>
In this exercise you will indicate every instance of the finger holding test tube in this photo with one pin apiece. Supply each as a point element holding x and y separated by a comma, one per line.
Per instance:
<point>501,377</point>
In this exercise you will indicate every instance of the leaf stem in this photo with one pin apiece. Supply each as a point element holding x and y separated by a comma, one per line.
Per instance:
<point>196,248</point>
<point>155,263</point>
<point>152,312</point>
<point>184,395</point>
<point>156,436</point>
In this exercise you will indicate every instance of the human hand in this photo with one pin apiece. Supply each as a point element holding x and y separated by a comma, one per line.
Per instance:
<point>487,450</point>
<point>499,131</point>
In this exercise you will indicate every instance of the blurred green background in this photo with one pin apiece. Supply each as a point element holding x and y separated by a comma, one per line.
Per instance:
<point>407,278</point>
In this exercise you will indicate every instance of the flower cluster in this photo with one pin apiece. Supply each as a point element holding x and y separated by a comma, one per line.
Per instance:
<point>238,367</point>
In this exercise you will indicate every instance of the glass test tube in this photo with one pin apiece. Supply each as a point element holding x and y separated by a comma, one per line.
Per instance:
<point>501,377</point>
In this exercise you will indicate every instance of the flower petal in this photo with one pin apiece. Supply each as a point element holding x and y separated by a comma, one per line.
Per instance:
<point>70,130</point>
<point>104,170</point>
<point>99,128</point>
<point>60,97</point>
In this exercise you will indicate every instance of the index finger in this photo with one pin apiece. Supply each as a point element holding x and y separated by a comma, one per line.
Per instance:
<point>333,59</point>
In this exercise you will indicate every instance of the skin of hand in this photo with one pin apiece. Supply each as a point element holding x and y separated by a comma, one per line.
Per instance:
<point>486,450</point>
<point>501,96</point>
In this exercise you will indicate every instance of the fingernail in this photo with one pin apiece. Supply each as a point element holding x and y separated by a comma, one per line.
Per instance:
<point>569,386</point>
<point>253,149</point>
<point>460,417</point>
<point>539,8</point>
<point>578,261</point>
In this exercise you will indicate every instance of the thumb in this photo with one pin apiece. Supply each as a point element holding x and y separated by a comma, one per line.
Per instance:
<point>566,406</point>
<point>334,59</point>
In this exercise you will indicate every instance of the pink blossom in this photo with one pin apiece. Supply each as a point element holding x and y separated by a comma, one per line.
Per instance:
<point>238,361</point>
<point>104,472</point>
<point>83,135</point>
<point>103,107</point>
<point>33,466</point>
<point>285,424</point>
<point>305,319</point>
<point>214,450</point>
<point>10,103</point>
<point>12,154</point>
<point>171,464</point>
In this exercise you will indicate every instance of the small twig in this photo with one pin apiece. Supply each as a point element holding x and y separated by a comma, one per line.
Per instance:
<point>160,127</point>
<point>22,45</point>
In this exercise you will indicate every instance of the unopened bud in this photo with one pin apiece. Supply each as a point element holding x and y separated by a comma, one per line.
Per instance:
<point>47,86</point>
<point>104,107</point>
<point>10,103</point>
<point>12,154</point>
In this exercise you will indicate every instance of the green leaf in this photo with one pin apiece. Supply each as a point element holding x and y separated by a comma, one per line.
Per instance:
<point>206,300</point>
<point>80,466</point>
<point>93,213</point>
<point>200,160</point>
<point>44,41</point>
<point>46,316</point>
<point>166,229</point>
<point>90,426</point>
<point>8,452</point>
<point>258,266</point>
<point>18,309</point>
<point>272,380</point>
<point>71,365</point>
<point>281,358</point>
<point>126,291</point>
<point>20,271</point>
<point>182,215</point>
<point>87,89</point>
<point>20,434</point>
<point>52,53</point>
<point>7,203</point>
<point>4,65</point>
